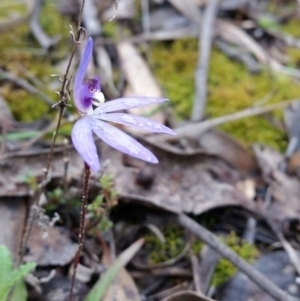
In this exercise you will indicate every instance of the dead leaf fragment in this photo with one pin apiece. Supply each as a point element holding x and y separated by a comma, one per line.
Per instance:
<point>57,249</point>
<point>192,184</point>
<point>15,168</point>
<point>220,144</point>
<point>123,287</point>
<point>284,189</point>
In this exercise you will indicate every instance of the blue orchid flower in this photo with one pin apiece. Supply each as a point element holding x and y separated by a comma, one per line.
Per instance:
<point>91,105</point>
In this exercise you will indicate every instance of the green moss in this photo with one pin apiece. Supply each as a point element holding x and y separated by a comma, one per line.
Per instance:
<point>8,10</point>
<point>231,88</point>
<point>110,29</point>
<point>197,246</point>
<point>160,252</point>
<point>24,105</point>
<point>174,245</point>
<point>52,21</point>
<point>292,27</point>
<point>225,269</point>
<point>18,51</point>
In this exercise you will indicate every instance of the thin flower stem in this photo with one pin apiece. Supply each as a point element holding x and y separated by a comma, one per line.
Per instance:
<point>62,104</point>
<point>50,156</point>
<point>76,41</point>
<point>85,191</point>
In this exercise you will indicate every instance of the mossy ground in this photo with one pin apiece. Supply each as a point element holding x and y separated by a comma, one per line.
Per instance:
<point>225,269</point>
<point>175,243</point>
<point>231,88</point>
<point>160,252</point>
<point>19,51</point>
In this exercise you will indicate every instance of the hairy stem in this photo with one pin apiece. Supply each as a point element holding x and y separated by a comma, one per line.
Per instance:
<point>85,191</point>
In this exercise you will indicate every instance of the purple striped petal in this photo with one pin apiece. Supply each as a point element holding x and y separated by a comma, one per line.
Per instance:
<point>83,141</point>
<point>81,103</point>
<point>138,122</point>
<point>127,103</point>
<point>121,141</point>
<point>83,99</point>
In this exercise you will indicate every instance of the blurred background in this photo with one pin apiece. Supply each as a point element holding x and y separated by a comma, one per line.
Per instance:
<point>254,56</point>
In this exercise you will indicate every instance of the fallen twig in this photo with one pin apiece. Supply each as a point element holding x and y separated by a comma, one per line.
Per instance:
<point>200,127</point>
<point>205,42</point>
<point>212,240</point>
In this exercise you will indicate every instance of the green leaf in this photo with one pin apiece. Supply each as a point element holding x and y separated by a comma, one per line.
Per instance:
<point>6,265</point>
<point>99,289</point>
<point>19,292</point>
<point>8,277</point>
<point>21,271</point>
<point>268,24</point>
<point>21,135</point>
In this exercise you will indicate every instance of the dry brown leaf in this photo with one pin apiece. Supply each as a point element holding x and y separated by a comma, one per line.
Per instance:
<point>58,246</point>
<point>193,184</point>
<point>210,142</point>
<point>123,287</point>
<point>16,168</point>
<point>220,144</point>
<point>285,190</point>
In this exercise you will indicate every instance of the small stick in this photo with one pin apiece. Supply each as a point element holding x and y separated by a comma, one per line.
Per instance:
<point>205,43</point>
<point>212,240</point>
<point>201,127</point>
<point>85,190</point>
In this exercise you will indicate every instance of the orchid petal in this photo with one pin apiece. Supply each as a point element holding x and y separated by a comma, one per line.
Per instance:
<point>83,141</point>
<point>138,122</point>
<point>121,141</point>
<point>127,103</point>
<point>84,63</point>
<point>83,99</point>
<point>79,89</point>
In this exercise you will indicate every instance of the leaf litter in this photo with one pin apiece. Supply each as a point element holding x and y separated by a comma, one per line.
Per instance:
<point>205,173</point>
